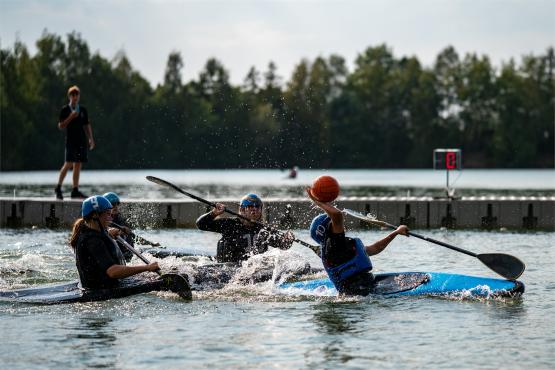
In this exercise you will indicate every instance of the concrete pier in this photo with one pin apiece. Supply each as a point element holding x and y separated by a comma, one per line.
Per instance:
<point>532,213</point>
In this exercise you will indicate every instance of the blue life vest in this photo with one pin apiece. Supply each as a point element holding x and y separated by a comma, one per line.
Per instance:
<point>359,263</point>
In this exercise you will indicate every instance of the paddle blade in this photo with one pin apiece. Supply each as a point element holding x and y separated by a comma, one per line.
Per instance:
<point>505,265</point>
<point>159,181</point>
<point>178,284</point>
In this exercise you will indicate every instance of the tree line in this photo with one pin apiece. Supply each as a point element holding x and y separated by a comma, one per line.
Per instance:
<point>387,112</point>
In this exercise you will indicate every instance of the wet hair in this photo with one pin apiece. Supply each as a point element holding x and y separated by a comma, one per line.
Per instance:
<point>76,229</point>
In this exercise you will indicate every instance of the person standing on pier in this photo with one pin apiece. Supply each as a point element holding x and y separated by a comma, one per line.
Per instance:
<point>75,120</point>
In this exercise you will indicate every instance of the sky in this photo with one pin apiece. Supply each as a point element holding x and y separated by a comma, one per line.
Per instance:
<point>245,33</point>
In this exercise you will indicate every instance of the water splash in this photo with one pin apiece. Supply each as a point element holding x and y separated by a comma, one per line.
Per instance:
<point>372,216</point>
<point>252,279</point>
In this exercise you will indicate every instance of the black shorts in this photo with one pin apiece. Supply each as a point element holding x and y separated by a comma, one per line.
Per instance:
<point>76,153</point>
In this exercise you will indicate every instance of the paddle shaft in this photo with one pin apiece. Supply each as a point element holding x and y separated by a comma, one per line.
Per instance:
<point>135,252</point>
<point>443,244</point>
<point>505,265</point>
<point>157,180</point>
<point>140,238</point>
<point>431,240</point>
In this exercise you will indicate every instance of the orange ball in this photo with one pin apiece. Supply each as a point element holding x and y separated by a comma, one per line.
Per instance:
<point>325,188</point>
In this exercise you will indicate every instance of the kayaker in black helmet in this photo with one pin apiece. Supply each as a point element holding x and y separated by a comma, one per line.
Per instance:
<point>98,258</point>
<point>241,238</point>
<point>345,259</point>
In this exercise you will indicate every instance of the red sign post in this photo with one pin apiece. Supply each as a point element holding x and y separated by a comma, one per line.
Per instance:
<point>448,160</point>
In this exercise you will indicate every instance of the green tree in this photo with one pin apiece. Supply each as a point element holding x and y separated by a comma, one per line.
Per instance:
<point>477,99</point>
<point>172,76</point>
<point>373,128</point>
<point>18,99</point>
<point>251,81</point>
<point>524,133</point>
<point>387,112</point>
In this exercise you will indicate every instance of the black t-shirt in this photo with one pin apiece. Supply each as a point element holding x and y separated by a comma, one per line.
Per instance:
<point>239,241</point>
<point>75,132</point>
<point>94,254</point>
<point>338,249</point>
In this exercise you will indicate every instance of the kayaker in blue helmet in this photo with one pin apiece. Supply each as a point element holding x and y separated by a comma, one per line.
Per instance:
<point>98,258</point>
<point>119,220</point>
<point>241,238</point>
<point>345,259</point>
<point>113,198</point>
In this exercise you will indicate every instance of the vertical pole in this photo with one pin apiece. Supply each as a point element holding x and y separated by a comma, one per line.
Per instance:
<point>447,182</point>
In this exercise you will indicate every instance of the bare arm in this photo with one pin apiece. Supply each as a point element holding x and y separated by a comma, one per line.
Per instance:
<point>122,271</point>
<point>63,124</point>
<point>381,244</point>
<point>208,222</point>
<point>337,220</point>
<point>88,132</point>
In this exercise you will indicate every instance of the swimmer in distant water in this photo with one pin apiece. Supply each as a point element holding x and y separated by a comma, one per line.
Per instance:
<point>293,172</point>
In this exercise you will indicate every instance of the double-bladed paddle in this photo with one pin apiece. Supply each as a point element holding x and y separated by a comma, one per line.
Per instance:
<point>505,265</point>
<point>140,239</point>
<point>175,282</point>
<point>156,180</point>
<point>155,252</point>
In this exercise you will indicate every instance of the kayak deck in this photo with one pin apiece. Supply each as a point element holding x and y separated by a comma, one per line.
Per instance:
<point>424,283</point>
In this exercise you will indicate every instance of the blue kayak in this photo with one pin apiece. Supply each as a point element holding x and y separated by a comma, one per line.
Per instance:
<point>423,283</point>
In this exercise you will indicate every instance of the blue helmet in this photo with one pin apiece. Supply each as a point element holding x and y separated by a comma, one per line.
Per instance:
<point>96,203</point>
<point>319,228</point>
<point>112,198</point>
<point>250,200</point>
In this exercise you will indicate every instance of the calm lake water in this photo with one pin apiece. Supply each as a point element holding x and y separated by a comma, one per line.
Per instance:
<point>256,326</point>
<point>274,183</point>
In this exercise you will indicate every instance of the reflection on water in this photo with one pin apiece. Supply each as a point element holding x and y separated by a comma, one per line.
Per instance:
<point>335,317</point>
<point>348,337</point>
<point>94,328</point>
<point>333,320</point>
<point>92,340</point>
<point>510,311</point>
